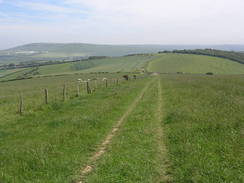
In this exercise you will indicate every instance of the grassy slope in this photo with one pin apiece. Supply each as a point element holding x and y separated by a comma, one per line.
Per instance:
<point>204,120</point>
<point>17,73</point>
<point>172,63</point>
<point>51,143</point>
<point>203,117</point>
<point>116,64</point>
<point>122,64</point>
<point>3,73</point>
<point>55,69</point>
<point>133,155</point>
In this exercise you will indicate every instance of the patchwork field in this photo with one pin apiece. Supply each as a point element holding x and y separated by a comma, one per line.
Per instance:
<point>169,128</point>
<point>198,64</point>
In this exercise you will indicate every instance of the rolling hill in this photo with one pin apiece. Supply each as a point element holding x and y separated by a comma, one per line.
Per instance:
<point>113,64</point>
<point>37,52</point>
<point>190,63</point>
<point>163,63</point>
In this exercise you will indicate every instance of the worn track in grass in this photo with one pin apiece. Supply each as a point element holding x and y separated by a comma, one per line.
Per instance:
<point>102,148</point>
<point>164,177</point>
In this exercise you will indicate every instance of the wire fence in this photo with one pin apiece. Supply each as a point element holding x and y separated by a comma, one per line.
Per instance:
<point>23,101</point>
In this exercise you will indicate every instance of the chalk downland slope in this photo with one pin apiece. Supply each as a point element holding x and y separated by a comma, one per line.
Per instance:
<point>197,64</point>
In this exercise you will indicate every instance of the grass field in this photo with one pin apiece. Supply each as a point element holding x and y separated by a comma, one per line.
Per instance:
<point>163,63</point>
<point>172,63</point>
<point>204,121</point>
<point>164,128</point>
<point>8,72</point>
<point>116,64</point>
<point>120,64</point>
<point>50,143</point>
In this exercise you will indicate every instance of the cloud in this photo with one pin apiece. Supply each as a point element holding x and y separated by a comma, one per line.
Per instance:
<point>127,21</point>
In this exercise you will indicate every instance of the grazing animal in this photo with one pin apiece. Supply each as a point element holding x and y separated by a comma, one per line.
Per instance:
<point>126,77</point>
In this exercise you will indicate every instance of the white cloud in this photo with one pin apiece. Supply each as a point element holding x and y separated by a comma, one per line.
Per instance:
<point>134,21</point>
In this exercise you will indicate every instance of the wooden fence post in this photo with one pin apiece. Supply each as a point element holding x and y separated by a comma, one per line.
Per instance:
<point>64,93</point>
<point>21,104</point>
<point>78,90</point>
<point>106,83</point>
<point>88,87</point>
<point>46,95</point>
<point>117,81</point>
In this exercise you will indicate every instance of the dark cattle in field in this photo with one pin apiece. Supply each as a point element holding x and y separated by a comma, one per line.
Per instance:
<point>126,77</point>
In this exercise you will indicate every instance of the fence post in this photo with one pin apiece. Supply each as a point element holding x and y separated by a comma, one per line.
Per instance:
<point>46,95</point>
<point>117,81</point>
<point>106,83</point>
<point>64,93</point>
<point>88,87</point>
<point>21,104</point>
<point>78,90</point>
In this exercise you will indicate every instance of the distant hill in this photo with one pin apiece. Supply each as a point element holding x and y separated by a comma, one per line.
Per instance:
<point>37,52</point>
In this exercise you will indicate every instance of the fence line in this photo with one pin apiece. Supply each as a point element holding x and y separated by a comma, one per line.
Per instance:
<point>74,90</point>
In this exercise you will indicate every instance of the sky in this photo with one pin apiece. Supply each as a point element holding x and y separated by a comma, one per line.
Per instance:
<point>121,21</point>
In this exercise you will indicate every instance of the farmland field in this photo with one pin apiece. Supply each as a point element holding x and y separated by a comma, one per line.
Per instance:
<point>199,64</point>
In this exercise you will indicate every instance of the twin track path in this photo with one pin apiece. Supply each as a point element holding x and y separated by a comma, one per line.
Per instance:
<point>102,149</point>
<point>162,151</point>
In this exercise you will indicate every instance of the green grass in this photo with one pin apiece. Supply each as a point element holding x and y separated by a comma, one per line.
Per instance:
<point>51,143</point>
<point>55,69</point>
<point>133,155</point>
<point>204,118</point>
<point>119,64</point>
<point>17,73</point>
<point>114,64</point>
<point>198,64</point>
<point>4,73</point>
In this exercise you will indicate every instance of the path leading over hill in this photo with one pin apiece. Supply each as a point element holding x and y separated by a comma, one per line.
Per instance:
<point>138,152</point>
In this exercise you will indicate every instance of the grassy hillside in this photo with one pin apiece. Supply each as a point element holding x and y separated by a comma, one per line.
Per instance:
<point>172,63</point>
<point>114,64</point>
<point>234,56</point>
<point>120,64</point>
<point>8,72</point>
<point>174,128</point>
<point>49,143</point>
<point>204,122</point>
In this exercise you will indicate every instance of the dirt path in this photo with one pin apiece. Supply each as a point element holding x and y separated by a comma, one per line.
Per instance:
<point>102,148</point>
<point>164,166</point>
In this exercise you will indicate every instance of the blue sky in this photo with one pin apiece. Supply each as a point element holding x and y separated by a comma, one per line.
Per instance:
<point>121,21</point>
